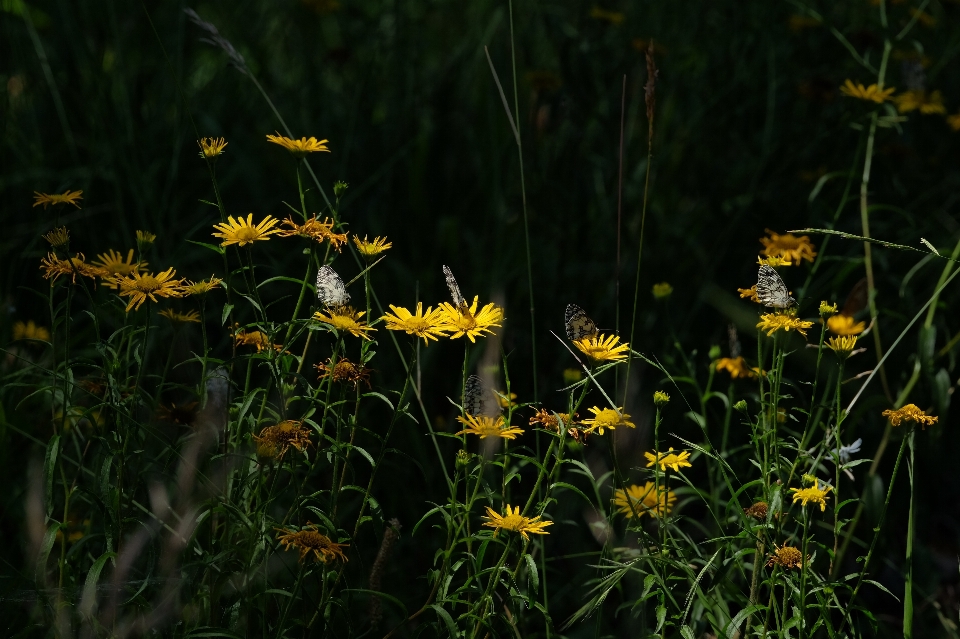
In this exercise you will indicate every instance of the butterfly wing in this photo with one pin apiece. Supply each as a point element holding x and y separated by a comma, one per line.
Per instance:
<point>330,288</point>
<point>458,299</point>
<point>857,299</point>
<point>771,291</point>
<point>577,324</point>
<point>473,396</point>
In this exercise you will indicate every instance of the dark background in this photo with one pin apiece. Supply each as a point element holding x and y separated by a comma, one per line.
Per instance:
<point>748,119</point>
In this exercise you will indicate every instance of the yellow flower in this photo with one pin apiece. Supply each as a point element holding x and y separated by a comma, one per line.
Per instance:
<point>55,267</point>
<point>953,121</point>
<point>470,322</point>
<point>827,309</point>
<point>736,366</point>
<point>202,287</point>
<point>662,290</point>
<point>180,318</point>
<point>114,264</point>
<point>58,237</point>
<point>669,459</point>
<point>307,540</point>
<point>314,229</point>
<point>68,197</point>
<point>515,522</point>
<point>613,17</point>
<point>815,494</point>
<point>345,318</point>
<point>660,398</point>
<point>774,261</point>
<point>845,325</point>
<point>786,556</point>
<point>550,421</point>
<point>604,418</point>
<point>572,375</point>
<point>504,400</point>
<point>370,249</point>
<point>872,93</point>
<point>30,330</point>
<point>344,371</point>
<point>842,346</point>
<point>749,293</point>
<point>258,339</point>
<point>788,246</point>
<point>488,427</point>
<point>644,500</point>
<point>145,239</point>
<point>211,147</point>
<point>299,148</point>
<point>919,100</point>
<point>243,232</point>
<point>910,413</point>
<point>601,348</point>
<point>275,441</point>
<point>799,22</point>
<point>428,325</point>
<point>772,322</point>
<point>139,287</point>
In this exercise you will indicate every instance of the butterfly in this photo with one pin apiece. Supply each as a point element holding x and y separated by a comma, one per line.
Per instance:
<point>458,300</point>
<point>577,324</point>
<point>771,291</point>
<point>857,299</point>
<point>473,396</point>
<point>330,288</point>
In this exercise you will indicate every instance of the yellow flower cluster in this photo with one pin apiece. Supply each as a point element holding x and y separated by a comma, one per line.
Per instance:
<point>445,321</point>
<point>643,500</point>
<point>910,413</point>
<point>773,322</point>
<point>669,459</point>
<point>516,522</point>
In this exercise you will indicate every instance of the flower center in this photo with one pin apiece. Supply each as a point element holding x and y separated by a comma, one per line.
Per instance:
<point>512,522</point>
<point>248,233</point>
<point>148,284</point>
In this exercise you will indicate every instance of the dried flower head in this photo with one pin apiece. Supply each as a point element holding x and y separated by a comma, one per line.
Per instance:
<point>58,237</point>
<point>551,421</point>
<point>786,557</point>
<point>307,540</point>
<point>314,229</point>
<point>515,522</point>
<point>275,441</point>
<point>910,413</point>
<point>757,511</point>
<point>644,500</point>
<point>67,197</point>
<point>344,371</point>
<point>54,267</point>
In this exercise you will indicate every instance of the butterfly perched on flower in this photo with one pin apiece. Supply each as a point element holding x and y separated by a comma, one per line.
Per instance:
<point>473,400</point>
<point>577,324</point>
<point>771,291</point>
<point>331,290</point>
<point>458,300</point>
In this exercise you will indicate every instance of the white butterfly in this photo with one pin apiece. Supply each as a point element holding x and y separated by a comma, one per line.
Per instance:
<point>458,300</point>
<point>577,324</point>
<point>330,288</point>
<point>771,291</point>
<point>473,392</point>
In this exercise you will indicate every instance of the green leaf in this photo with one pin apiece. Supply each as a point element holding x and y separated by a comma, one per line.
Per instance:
<point>881,587</point>
<point>562,484</point>
<point>532,572</point>
<point>45,546</point>
<point>443,614</point>
<point>88,602</point>
<point>382,595</point>
<point>215,249</point>
<point>661,617</point>
<point>49,464</point>
<point>227,308</point>
<point>731,628</point>
<point>379,396</point>
<point>686,632</point>
<point>282,278</point>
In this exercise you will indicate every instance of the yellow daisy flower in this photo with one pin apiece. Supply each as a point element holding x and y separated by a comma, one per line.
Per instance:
<point>815,494</point>
<point>243,232</point>
<point>55,267</point>
<point>145,239</point>
<point>644,500</point>
<point>314,229</point>
<point>275,441</point>
<point>774,261</point>
<point>370,249</point>
<point>787,556</point>
<point>202,287</point>
<point>140,287</point>
<point>428,325</point>
<point>842,346</point>
<point>919,100</point>
<point>660,398</point>
<point>789,246</point>
<point>736,366</point>
<point>515,522</point>
<point>872,93</point>
<point>258,339</point>
<point>210,148</point>
<point>46,199</point>
<point>180,318</point>
<point>114,263</point>
<point>307,540</point>
<point>669,459</point>
<point>773,322</point>
<point>30,330</point>
<point>910,413</point>
<point>604,418</point>
<point>662,290</point>
<point>471,323</point>
<point>299,148</point>
<point>345,319</point>
<point>953,121</point>
<point>749,293</point>
<point>845,325</point>
<point>826,310</point>
<point>58,237</point>
<point>484,427</point>
<point>602,348</point>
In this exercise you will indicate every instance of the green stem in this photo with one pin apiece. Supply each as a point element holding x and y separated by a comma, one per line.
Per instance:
<point>908,587</point>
